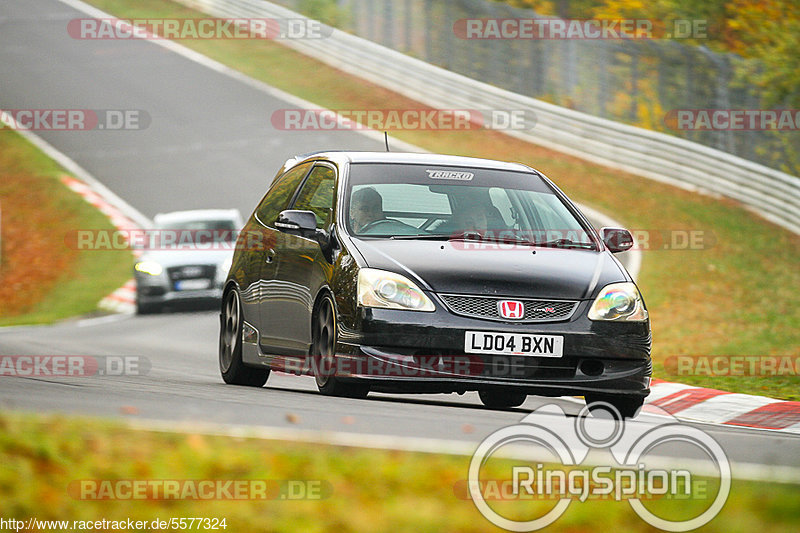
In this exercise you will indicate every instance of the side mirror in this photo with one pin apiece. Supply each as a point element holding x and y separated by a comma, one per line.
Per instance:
<point>296,221</point>
<point>617,239</point>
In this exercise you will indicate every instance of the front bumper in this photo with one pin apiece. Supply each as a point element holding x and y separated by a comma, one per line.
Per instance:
<point>406,351</point>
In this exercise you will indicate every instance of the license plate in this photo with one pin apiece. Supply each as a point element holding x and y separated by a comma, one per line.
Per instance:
<point>514,344</point>
<point>191,284</point>
<point>191,271</point>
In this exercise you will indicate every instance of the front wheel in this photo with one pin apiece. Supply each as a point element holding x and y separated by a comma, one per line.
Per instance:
<point>146,309</point>
<point>323,354</point>
<point>231,366</point>
<point>502,399</point>
<point>626,406</point>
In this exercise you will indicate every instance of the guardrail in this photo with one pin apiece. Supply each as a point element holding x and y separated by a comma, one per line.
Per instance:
<point>772,194</point>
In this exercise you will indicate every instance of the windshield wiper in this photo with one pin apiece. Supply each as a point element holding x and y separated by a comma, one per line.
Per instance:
<point>567,243</point>
<point>431,236</point>
<point>477,236</point>
<point>466,235</point>
<point>501,238</point>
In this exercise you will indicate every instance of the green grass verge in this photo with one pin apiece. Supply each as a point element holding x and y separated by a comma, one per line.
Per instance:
<point>367,490</point>
<point>42,278</point>
<point>736,297</point>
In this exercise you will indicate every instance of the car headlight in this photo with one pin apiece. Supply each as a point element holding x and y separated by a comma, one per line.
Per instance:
<point>223,269</point>
<point>618,301</point>
<point>226,265</point>
<point>149,267</point>
<point>379,288</point>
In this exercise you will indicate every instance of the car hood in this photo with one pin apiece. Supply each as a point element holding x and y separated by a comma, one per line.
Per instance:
<point>453,267</point>
<point>177,257</point>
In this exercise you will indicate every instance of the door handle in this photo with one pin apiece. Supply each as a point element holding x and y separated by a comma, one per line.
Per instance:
<point>270,255</point>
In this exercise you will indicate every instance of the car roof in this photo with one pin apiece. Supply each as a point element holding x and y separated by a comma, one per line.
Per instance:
<point>410,158</point>
<point>197,214</point>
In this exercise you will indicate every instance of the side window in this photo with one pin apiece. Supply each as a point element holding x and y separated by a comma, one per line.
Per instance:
<point>280,193</point>
<point>317,194</point>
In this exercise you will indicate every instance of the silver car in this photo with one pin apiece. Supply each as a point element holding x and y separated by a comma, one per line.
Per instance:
<point>185,257</point>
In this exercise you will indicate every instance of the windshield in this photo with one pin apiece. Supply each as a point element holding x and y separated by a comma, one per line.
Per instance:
<point>408,201</point>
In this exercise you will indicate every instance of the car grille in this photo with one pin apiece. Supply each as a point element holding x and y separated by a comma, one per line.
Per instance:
<point>486,307</point>
<point>192,272</point>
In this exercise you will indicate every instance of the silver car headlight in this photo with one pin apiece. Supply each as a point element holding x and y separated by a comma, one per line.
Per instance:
<point>379,288</point>
<point>149,267</point>
<point>619,301</point>
<point>224,268</point>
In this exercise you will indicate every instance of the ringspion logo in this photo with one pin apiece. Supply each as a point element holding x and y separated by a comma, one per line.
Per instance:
<point>627,477</point>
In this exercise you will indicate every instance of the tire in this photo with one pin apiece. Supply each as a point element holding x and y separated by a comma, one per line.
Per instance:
<point>233,370</point>
<point>502,399</point>
<point>323,354</point>
<point>626,406</point>
<point>146,309</point>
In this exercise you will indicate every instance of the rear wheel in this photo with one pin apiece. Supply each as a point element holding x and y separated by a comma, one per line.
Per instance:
<point>323,354</point>
<point>626,406</point>
<point>233,370</point>
<point>498,398</point>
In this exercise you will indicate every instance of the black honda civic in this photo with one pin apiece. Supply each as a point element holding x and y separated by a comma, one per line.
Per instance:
<point>424,273</point>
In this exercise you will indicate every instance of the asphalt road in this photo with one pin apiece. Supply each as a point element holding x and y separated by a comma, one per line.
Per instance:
<point>209,144</point>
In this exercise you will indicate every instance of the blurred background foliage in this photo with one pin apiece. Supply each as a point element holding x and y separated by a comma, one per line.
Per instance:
<point>763,30</point>
<point>746,56</point>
